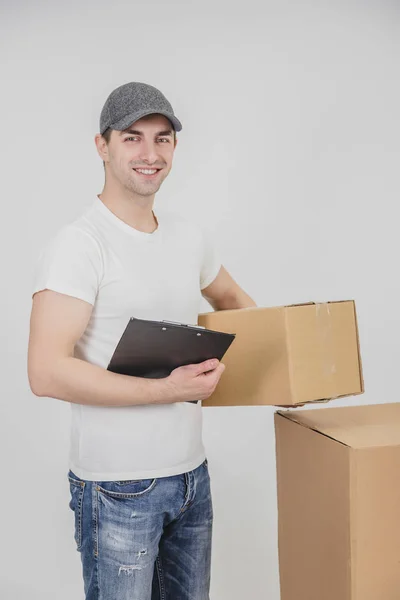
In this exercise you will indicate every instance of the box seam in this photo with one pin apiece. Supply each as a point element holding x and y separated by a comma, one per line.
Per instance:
<point>289,356</point>
<point>290,417</point>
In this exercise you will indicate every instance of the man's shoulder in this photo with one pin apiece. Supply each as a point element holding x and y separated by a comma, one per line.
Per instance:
<point>76,234</point>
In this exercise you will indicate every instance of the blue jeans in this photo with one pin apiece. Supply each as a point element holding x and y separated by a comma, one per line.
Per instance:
<point>147,539</point>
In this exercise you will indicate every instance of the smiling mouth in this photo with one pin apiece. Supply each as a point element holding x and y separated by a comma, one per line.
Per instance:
<point>147,173</point>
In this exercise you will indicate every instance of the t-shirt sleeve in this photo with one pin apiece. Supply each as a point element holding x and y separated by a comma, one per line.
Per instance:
<point>211,262</point>
<point>71,264</point>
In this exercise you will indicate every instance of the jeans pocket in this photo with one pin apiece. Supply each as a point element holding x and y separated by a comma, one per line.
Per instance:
<point>126,489</point>
<point>77,489</point>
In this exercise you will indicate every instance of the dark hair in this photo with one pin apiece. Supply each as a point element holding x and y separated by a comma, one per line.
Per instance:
<point>107,136</point>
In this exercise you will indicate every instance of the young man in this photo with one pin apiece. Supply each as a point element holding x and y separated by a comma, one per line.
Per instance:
<point>139,480</point>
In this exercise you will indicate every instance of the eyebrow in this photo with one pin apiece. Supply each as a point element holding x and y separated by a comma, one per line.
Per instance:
<point>136,132</point>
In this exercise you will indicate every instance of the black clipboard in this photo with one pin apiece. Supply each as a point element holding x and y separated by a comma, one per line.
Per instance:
<point>155,348</point>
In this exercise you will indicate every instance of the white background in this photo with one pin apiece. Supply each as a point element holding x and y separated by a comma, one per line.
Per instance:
<point>289,153</point>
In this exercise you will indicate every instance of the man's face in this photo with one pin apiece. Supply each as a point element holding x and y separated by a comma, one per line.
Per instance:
<point>148,144</point>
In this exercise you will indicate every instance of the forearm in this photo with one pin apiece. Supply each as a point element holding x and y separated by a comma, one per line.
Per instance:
<point>80,382</point>
<point>238,300</point>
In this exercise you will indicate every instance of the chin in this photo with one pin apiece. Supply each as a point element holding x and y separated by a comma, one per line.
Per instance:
<point>145,191</point>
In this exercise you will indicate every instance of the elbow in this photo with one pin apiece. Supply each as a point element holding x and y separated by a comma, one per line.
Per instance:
<point>37,386</point>
<point>38,380</point>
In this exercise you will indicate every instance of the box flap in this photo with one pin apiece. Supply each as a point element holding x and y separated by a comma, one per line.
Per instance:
<point>311,302</point>
<point>235,310</point>
<point>368,426</point>
<point>282,306</point>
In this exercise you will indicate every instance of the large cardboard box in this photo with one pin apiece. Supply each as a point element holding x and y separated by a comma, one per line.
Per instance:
<point>338,475</point>
<point>288,355</point>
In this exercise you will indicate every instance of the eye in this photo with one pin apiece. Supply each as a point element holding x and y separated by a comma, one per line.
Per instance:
<point>164,140</point>
<point>130,138</point>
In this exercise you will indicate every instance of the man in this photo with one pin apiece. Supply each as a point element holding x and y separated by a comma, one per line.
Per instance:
<point>139,480</point>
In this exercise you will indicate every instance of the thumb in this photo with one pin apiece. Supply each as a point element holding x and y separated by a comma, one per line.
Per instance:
<point>207,365</point>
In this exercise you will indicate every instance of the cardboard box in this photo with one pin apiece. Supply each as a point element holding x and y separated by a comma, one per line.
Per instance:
<point>288,355</point>
<point>338,475</point>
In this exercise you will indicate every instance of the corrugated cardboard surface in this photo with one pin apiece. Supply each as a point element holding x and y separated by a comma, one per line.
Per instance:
<point>323,350</point>
<point>314,512</point>
<point>375,523</point>
<point>257,365</point>
<point>288,355</point>
<point>339,502</point>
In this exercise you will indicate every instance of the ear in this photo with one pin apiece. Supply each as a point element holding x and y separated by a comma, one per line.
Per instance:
<point>102,147</point>
<point>176,141</point>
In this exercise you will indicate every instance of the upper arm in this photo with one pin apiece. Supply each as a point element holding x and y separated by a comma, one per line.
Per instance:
<point>66,282</point>
<point>57,322</point>
<point>221,288</point>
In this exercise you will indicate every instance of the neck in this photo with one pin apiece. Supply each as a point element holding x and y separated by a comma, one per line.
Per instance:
<point>134,210</point>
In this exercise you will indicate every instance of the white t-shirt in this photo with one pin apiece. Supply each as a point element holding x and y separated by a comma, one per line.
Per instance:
<point>124,273</point>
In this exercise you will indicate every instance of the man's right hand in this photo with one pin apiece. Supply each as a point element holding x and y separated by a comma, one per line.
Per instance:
<point>196,381</point>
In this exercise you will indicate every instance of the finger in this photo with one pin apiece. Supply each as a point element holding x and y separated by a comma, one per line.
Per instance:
<point>207,365</point>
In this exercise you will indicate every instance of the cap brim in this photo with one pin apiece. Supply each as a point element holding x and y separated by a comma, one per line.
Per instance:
<point>133,117</point>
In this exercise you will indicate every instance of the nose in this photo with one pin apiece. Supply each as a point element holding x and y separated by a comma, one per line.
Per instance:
<point>148,152</point>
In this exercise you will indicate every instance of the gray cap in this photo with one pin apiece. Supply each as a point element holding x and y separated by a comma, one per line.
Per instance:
<point>132,101</point>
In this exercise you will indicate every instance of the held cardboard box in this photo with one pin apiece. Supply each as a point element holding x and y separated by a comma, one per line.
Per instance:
<point>339,503</point>
<point>288,355</point>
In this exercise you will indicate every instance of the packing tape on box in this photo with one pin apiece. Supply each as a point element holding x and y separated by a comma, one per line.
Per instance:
<point>326,347</point>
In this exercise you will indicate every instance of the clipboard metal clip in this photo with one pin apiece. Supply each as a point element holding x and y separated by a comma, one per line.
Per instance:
<point>183,324</point>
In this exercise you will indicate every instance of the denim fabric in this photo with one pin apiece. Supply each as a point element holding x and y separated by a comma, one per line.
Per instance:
<point>147,539</point>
